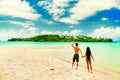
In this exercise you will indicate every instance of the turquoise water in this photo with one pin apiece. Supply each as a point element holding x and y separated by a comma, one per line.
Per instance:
<point>105,54</point>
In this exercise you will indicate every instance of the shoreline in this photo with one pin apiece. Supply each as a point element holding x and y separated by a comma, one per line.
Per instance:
<point>35,63</point>
<point>81,60</point>
<point>95,67</point>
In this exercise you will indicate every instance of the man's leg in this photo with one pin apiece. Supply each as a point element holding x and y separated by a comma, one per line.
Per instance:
<point>77,60</point>
<point>76,65</point>
<point>73,60</point>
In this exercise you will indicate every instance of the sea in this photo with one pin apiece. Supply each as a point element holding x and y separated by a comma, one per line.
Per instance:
<point>106,54</point>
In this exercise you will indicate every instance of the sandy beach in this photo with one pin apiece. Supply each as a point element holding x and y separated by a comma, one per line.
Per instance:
<point>35,63</point>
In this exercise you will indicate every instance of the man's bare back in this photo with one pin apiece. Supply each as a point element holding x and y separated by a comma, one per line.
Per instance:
<point>76,49</point>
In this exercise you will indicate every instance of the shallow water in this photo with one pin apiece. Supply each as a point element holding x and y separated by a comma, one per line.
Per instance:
<point>105,54</point>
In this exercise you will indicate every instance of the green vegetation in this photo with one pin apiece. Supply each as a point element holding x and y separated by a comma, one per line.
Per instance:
<point>58,38</point>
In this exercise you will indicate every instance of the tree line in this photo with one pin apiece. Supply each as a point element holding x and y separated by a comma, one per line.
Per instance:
<point>61,38</point>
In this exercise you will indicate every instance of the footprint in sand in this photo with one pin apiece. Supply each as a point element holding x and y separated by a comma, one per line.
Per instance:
<point>52,69</point>
<point>9,60</point>
<point>1,77</point>
<point>2,74</point>
<point>84,78</point>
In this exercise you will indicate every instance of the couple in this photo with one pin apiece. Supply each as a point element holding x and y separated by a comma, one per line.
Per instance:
<point>88,56</point>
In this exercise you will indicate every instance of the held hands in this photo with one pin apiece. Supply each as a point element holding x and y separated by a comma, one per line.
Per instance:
<point>82,56</point>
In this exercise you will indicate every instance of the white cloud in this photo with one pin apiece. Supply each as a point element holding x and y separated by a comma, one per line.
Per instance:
<point>49,32</point>
<point>108,32</point>
<point>17,8</point>
<point>55,8</point>
<point>32,28</point>
<point>6,34</point>
<point>65,33</point>
<point>27,30</point>
<point>25,24</point>
<point>104,18</point>
<point>74,32</point>
<point>81,10</point>
<point>12,33</point>
<point>86,8</point>
<point>16,23</point>
<point>71,26</point>
<point>117,3</point>
<point>21,30</point>
<point>48,21</point>
<point>68,20</point>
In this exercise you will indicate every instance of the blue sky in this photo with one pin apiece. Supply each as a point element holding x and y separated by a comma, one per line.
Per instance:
<point>26,18</point>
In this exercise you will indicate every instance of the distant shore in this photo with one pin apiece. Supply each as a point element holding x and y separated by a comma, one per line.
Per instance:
<point>61,38</point>
<point>35,63</point>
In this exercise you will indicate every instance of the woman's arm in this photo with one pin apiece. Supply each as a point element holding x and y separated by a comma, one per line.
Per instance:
<point>92,56</point>
<point>84,56</point>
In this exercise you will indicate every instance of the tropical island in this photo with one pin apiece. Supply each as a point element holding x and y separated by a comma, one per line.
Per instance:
<point>61,38</point>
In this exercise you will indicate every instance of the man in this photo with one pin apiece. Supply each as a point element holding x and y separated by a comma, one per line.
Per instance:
<point>76,54</point>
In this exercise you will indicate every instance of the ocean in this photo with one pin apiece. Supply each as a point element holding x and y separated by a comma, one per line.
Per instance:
<point>106,54</point>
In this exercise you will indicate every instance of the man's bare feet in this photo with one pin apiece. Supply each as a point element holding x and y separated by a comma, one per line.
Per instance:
<point>76,68</point>
<point>88,71</point>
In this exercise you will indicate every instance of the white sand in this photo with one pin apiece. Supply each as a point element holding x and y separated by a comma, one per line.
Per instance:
<point>34,63</point>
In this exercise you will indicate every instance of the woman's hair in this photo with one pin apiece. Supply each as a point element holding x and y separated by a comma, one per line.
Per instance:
<point>88,53</point>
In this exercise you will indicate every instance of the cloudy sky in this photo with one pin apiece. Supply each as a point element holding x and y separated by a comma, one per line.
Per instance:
<point>26,18</point>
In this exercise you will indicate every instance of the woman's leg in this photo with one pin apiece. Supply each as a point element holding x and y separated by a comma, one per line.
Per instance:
<point>90,66</point>
<point>87,65</point>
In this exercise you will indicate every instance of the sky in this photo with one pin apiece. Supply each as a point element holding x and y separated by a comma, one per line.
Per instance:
<point>27,18</point>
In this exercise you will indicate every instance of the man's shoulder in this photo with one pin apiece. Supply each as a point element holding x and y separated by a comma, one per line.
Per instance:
<point>77,47</point>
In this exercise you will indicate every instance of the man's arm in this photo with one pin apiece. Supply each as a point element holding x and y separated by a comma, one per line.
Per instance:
<point>81,52</point>
<point>73,45</point>
<point>84,56</point>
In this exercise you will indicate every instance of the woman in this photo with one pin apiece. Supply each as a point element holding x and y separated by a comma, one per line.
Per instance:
<point>88,56</point>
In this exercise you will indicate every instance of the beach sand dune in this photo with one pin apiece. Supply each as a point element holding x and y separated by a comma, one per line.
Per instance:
<point>34,63</point>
